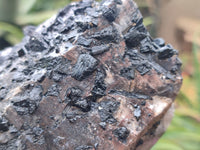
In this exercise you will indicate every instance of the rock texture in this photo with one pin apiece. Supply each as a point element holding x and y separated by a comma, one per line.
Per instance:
<point>89,78</point>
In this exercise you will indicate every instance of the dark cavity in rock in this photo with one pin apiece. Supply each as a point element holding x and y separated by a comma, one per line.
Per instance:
<point>25,106</point>
<point>83,104</point>
<point>53,91</point>
<point>128,73</point>
<point>73,98</point>
<point>35,44</point>
<point>107,109</point>
<point>99,88</point>
<point>4,124</point>
<point>121,133</point>
<point>27,101</point>
<point>140,142</point>
<point>3,93</point>
<point>110,12</point>
<point>118,2</point>
<point>21,53</point>
<point>73,93</point>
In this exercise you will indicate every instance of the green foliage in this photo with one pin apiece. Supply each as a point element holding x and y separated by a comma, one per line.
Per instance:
<point>42,5</point>
<point>197,71</point>
<point>25,6</point>
<point>148,21</point>
<point>183,134</point>
<point>37,11</point>
<point>14,33</point>
<point>34,18</point>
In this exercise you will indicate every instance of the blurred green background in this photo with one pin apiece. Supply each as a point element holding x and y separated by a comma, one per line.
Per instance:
<point>178,21</point>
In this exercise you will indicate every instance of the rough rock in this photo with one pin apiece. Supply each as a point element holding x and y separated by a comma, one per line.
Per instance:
<point>90,77</point>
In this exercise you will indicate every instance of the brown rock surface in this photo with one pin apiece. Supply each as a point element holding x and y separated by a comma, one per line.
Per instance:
<point>90,77</point>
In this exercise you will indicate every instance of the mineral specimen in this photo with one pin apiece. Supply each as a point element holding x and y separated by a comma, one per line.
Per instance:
<point>90,77</point>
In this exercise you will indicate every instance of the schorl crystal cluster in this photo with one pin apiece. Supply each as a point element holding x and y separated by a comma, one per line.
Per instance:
<point>89,78</point>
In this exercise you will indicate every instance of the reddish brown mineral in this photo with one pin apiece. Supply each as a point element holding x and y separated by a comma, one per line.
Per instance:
<point>89,78</point>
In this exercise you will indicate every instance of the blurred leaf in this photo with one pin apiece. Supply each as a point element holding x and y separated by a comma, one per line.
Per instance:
<point>141,3</point>
<point>8,10</point>
<point>38,11</point>
<point>183,136</point>
<point>42,5</point>
<point>35,18</point>
<point>183,133</point>
<point>188,112</point>
<point>14,33</point>
<point>183,98</point>
<point>186,123</point>
<point>24,6</point>
<point>197,71</point>
<point>148,21</point>
<point>12,39</point>
<point>166,145</point>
